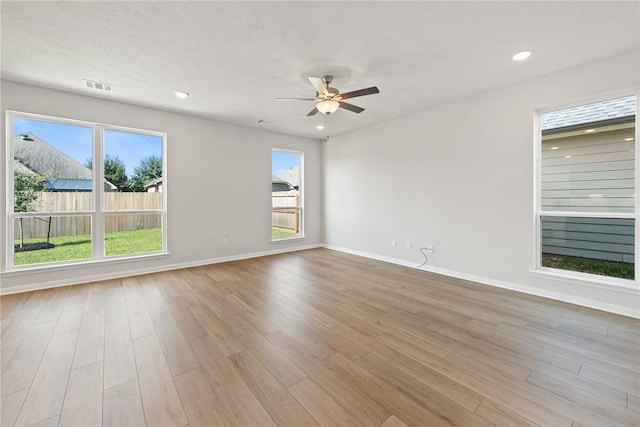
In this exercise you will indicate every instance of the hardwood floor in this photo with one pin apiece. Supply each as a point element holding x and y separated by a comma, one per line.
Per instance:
<point>312,338</point>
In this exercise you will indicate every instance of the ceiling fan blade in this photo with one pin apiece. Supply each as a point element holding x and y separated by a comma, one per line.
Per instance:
<point>362,92</point>
<point>313,112</point>
<point>321,88</point>
<point>295,99</point>
<point>351,107</point>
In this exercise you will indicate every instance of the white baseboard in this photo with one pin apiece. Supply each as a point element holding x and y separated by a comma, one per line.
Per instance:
<point>572,299</point>
<point>156,269</point>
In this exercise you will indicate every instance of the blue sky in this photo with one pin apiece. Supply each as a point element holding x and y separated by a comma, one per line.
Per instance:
<point>75,141</point>
<point>283,160</point>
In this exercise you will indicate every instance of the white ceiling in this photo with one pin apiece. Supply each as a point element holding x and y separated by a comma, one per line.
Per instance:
<point>236,57</point>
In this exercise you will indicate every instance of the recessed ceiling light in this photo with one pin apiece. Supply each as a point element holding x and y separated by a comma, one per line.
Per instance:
<point>181,94</point>
<point>521,56</point>
<point>629,139</point>
<point>320,127</point>
<point>568,156</point>
<point>554,148</point>
<point>589,131</point>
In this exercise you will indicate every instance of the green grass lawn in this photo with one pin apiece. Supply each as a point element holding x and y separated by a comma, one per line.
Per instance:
<point>279,233</point>
<point>624,270</point>
<point>68,248</point>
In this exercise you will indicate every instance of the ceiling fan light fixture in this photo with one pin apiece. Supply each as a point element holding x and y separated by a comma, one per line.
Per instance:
<point>327,106</point>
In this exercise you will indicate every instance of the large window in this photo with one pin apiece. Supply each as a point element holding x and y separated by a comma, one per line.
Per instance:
<point>586,210</point>
<point>65,207</point>
<point>286,194</point>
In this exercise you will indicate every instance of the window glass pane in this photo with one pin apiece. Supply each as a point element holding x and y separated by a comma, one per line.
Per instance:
<point>42,239</point>
<point>52,166</point>
<point>133,171</point>
<point>286,213</point>
<point>587,167</point>
<point>129,234</point>
<point>602,246</point>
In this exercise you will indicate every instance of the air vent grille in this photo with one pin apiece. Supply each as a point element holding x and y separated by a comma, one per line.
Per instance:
<point>103,87</point>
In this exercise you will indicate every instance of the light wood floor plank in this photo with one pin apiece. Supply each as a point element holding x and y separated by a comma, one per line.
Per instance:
<point>10,405</point>
<point>174,345</point>
<point>115,304</point>
<point>83,400</point>
<point>119,360</point>
<point>19,372</point>
<point>198,399</point>
<point>123,406</point>
<point>90,347</point>
<point>285,371</point>
<point>160,399</point>
<point>71,317</point>
<point>46,395</point>
<point>321,406</point>
<point>276,400</point>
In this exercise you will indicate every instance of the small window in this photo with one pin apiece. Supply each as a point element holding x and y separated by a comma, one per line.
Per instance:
<point>286,194</point>
<point>586,201</point>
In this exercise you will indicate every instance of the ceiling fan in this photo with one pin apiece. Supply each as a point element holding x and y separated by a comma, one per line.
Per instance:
<point>329,99</point>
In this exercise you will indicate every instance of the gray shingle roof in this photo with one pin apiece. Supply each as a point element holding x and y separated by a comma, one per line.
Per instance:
<point>291,175</point>
<point>40,157</point>
<point>34,155</point>
<point>599,111</point>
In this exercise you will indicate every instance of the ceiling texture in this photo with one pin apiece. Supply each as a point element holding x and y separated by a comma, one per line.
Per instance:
<point>234,58</point>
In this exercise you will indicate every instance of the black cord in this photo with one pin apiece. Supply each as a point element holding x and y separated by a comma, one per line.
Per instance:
<point>425,257</point>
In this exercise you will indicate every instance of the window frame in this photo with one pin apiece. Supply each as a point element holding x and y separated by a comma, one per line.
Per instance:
<point>97,213</point>
<point>300,207</point>
<point>538,212</point>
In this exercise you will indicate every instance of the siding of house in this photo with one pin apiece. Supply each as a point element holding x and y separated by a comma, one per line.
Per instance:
<point>598,177</point>
<point>610,239</point>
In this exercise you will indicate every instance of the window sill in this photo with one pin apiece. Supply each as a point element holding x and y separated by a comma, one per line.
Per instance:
<point>585,279</point>
<point>48,268</point>
<point>288,239</point>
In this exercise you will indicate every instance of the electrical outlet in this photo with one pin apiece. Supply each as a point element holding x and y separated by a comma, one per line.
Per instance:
<point>408,245</point>
<point>225,241</point>
<point>394,243</point>
<point>430,249</point>
<point>333,233</point>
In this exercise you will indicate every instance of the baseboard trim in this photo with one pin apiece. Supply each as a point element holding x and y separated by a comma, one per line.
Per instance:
<point>571,299</point>
<point>155,269</point>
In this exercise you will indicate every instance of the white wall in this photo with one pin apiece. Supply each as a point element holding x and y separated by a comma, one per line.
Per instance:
<point>219,184</point>
<point>460,177</point>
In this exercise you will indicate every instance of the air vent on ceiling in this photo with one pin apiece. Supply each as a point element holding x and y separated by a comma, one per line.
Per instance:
<point>104,87</point>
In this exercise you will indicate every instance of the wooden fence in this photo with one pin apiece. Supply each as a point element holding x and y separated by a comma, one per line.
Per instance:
<point>285,212</point>
<point>39,226</point>
<point>610,239</point>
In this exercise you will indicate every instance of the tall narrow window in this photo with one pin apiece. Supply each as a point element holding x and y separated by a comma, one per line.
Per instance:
<point>286,194</point>
<point>66,207</point>
<point>586,203</point>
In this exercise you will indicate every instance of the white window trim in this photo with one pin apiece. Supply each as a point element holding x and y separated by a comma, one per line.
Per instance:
<point>97,214</point>
<point>301,191</point>
<point>574,276</point>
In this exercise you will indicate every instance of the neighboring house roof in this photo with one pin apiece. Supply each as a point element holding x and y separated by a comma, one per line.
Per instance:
<point>291,175</point>
<point>278,180</point>
<point>599,111</point>
<point>37,156</point>
<point>69,184</point>
<point>154,182</point>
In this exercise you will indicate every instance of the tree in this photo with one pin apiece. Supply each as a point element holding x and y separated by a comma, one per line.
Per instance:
<point>26,191</point>
<point>149,169</point>
<point>114,171</point>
